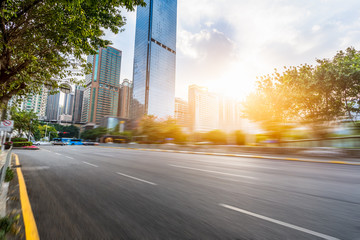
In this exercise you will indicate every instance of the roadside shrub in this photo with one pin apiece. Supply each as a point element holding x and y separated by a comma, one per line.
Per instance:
<point>21,144</point>
<point>9,175</point>
<point>18,139</point>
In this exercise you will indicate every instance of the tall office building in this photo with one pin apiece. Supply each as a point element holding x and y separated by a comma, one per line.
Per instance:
<point>78,101</point>
<point>53,107</point>
<point>203,109</point>
<point>125,98</point>
<point>101,96</point>
<point>154,59</point>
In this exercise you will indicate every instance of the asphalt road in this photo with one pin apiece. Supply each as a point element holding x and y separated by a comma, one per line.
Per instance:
<point>91,192</point>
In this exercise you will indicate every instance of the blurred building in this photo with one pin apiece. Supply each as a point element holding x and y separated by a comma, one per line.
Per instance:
<point>78,101</point>
<point>182,112</point>
<point>32,102</point>
<point>155,59</point>
<point>68,104</point>
<point>230,118</point>
<point>53,107</point>
<point>101,96</point>
<point>203,109</point>
<point>125,99</point>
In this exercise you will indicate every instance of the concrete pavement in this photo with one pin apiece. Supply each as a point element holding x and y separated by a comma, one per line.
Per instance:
<point>87,192</point>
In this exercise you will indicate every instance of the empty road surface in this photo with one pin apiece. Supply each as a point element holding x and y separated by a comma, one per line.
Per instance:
<point>92,192</point>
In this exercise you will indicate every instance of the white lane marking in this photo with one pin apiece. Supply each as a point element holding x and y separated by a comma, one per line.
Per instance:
<point>141,180</point>
<point>69,157</point>
<point>58,154</point>
<point>90,164</point>
<point>279,222</point>
<point>210,171</point>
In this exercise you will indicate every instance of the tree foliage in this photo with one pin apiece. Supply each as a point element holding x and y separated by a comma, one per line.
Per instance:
<point>37,37</point>
<point>24,121</point>
<point>68,131</point>
<point>313,95</point>
<point>94,134</point>
<point>158,131</point>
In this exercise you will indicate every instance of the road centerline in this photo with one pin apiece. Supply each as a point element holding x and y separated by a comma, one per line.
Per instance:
<point>301,229</point>
<point>135,178</point>
<point>90,164</point>
<point>211,171</point>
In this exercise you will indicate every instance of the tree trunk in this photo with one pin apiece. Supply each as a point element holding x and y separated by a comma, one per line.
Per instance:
<point>3,109</point>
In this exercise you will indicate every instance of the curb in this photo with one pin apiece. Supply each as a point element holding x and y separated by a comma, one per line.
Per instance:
<point>243,156</point>
<point>31,231</point>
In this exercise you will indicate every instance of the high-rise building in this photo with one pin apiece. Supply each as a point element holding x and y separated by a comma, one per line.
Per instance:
<point>203,109</point>
<point>181,112</point>
<point>78,101</point>
<point>32,102</point>
<point>125,98</point>
<point>53,107</point>
<point>154,59</point>
<point>101,96</point>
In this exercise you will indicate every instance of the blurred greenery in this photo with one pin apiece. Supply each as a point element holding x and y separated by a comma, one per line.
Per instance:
<point>314,96</point>
<point>93,134</point>
<point>155,130</point>
<point>24,121</point>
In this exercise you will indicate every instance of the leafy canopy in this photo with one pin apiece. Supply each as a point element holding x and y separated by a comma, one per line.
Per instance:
<point>37,37</point>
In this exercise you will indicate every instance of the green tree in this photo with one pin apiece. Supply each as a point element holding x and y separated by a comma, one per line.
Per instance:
<point>94,134</point>
<point>37,37</point>
<point>24,121</point>
<point>48,130</point>
<point>149,126</point>
<point>71,131</point>
<point>171,130</point>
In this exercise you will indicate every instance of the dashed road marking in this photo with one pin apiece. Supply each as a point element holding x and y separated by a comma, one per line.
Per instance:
<point>279,222</point>
<point>210,171</point>
<point>69,157</point>
<point>135,178</point>
<point>90,164</point>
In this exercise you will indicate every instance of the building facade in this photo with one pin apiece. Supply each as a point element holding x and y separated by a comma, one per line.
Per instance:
<point>78,101</point>
<point>53,107</point>
<point>155,59</point>
<point>125,99</point>
<point>101,96</point>
<point>230,115</point>
<point>182,113</point>
<point>203,109</point>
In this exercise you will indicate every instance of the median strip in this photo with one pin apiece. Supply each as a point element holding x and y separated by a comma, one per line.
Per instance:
<point>31,231</point>
<point>323,236</point>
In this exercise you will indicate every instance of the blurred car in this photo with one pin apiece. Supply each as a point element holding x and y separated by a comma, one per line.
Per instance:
<point>36,143</point>
<point>91,143</point>
<point>59,143</point>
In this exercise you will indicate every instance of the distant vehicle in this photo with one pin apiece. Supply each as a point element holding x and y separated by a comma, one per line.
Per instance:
<point>91,143</point>
<point>58,141</point>
<point>36,143</point>
<point>67,141</point>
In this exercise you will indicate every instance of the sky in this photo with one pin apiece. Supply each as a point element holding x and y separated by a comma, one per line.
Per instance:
<point>225,44</point>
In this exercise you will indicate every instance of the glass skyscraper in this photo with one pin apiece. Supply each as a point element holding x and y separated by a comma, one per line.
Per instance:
<point>155,59</point>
